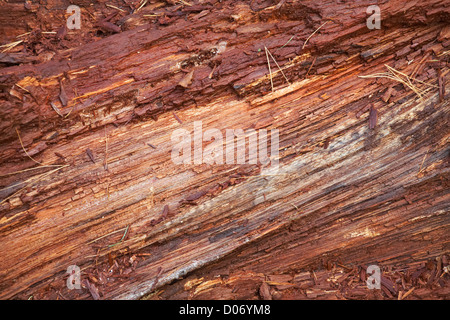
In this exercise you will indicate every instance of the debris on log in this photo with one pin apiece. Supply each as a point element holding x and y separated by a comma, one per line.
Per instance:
<point>356,171</point>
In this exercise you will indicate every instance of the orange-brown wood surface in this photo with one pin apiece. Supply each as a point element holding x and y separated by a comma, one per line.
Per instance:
<point>86,120</point>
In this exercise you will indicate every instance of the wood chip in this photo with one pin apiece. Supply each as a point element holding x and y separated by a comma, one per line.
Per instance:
<point>92,289</point>
<point>187,79</point>
<point>196,196</point>
<point>109,26</point>
<point>306,41</point>
<point>264,291</point>
<point>61,33</point>
<point>165,211</point>
<point>62,95</point>
<point>387,95</point>
<point>90,155</point>
<point>388,284</point>
<point>56,109</point>
<point>326,143</point>
<point>373,115</point>
<point>59,155</point>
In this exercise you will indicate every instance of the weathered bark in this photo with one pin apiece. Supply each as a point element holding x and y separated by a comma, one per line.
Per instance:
<point>343,192</point>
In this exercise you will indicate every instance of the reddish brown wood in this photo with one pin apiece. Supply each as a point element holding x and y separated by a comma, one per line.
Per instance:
<point>348,192</point>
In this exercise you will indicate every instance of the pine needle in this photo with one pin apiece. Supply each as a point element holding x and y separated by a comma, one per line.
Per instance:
<point>405,80</point>
<point>279,68</point>
<point>423,160</point>
<point>140,7</point>
<point>23,34</point>
<point>284,45</point>
<point>310,67</point>
<point>111,233</point>
<point>34,177</point>
<point>270,70</point>
<point>398,76</point>
<point>185,3</point>
<point>31,180</point>
<point>30,169</point>
<point>16,84</point>
<point>114,7</point>
<point>313,33</point>
<point>11,45</point>
<point>123,237</point>
<point>26,150</point>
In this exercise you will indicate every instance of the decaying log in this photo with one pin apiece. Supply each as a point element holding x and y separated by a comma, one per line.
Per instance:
<point>87,177</point>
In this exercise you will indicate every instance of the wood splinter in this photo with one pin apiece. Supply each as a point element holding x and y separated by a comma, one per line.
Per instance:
<point>62,95</point>
<point>373,115</point>
<point>105,161</point>
<point>191,199</point>
<point>187,79</point>
<point>163,216</point>
<point>90,155</point>
<point>108,26</point>
<point>59,155</point>
<point>441,85</point>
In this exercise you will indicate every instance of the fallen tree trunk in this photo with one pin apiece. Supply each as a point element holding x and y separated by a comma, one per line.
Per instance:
<point>88,178</point>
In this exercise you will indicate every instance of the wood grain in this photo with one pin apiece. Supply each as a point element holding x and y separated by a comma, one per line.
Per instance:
<point>342,190</point>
